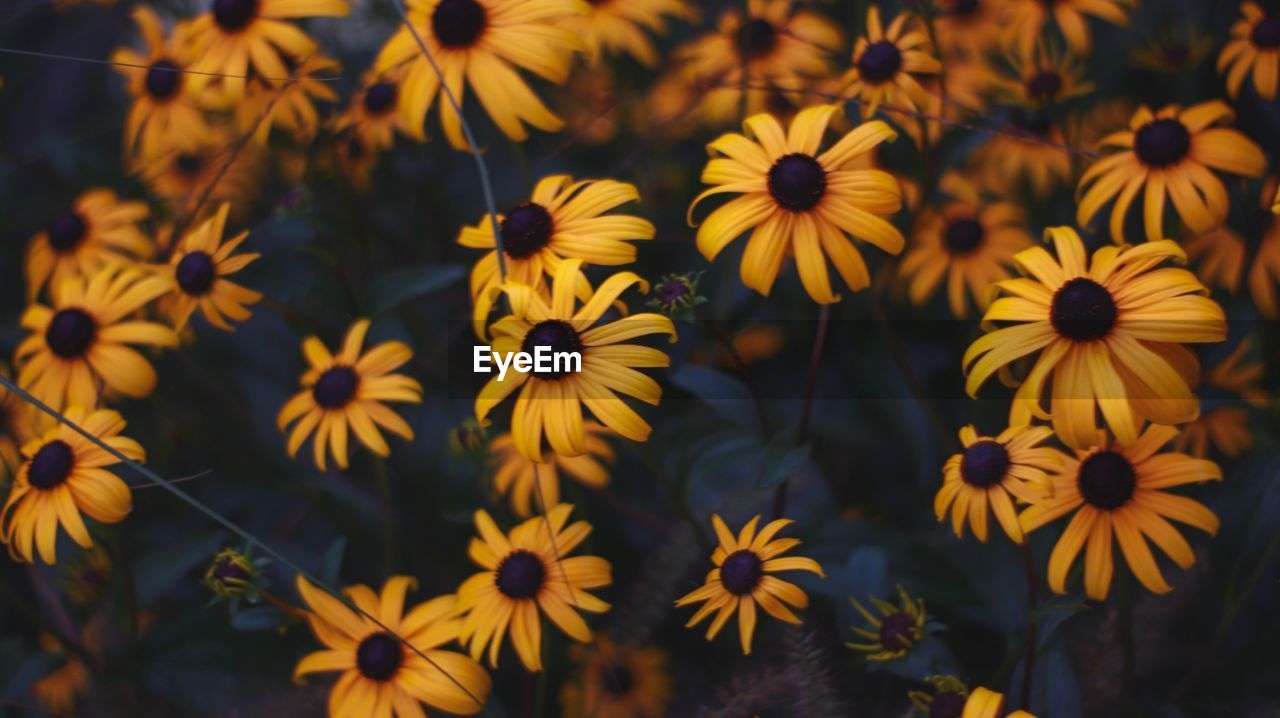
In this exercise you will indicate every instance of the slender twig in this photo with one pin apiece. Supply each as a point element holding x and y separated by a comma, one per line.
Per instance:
<point>157,68</point>
<point>810,383</point>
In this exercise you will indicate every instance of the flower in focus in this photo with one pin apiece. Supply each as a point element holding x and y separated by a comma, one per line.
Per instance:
<point>290,107</point>
<point>1169,153</point>
<point>98,230</point>
<point>618,26</point>
<point>996,472</point>
<point>551,402</point>
<point>82,339</point>
<point>968,240</point>
<point>477,43</point>
<point>561,220</point>
<point>1254,48</point>
<point>887,63</point>
<point>617,681</point>
<point>198,268</point>
<point>1109,331</point>
<point>677,294</point>
<point>1118,489</point>
<point>797,202</point>
<point>528,573</point>
<point>534,486</point>
<point>374,116</point>
<point>231,574</point>
<point>1229,390</point>
<point>390,667</point>
<point>347,391</point>
<point>985,703</point>
<point>742,579</point>
<point>894,631</point>
<point>62,476</point>
<point>946,698</point>
<point>1025,20</point>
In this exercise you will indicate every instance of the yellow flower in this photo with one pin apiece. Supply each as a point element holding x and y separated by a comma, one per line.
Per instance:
<point>17,425</point>
<point>617,681</point>
<point>945,700</point>
<point>1117,488</point>
<point>551,402</point>
<point>60,689</point>
<point>381,676</point>
<point>618,26</point>
<point>1043,76</point>
<point>1175,50</point>
<point>1025,20</point>
<point>798,202</point>
<point>743,577</point>
<point>81,340</point>
<point>887,63</point>
<point>63,475</point>
<point>477,43</point>
<point>374,115</point>
<point>198,269</point>
<point>985,703</point>
<point>345,392</point>
<point>290,107</point>
<point>894,631</point>
<point>527,573</point>
<point>969,27</point>
<point>531,485</point>
<point>1030,149</point>
<point>1233,384</point>
<point>1110,333</point>
<point>98,230</point>
<point>996,473</point>
<point>1254,48</point>
<point>1169,153</point>
<point>180,178</point>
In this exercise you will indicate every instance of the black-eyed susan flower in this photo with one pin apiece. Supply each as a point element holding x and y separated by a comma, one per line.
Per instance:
<point>971,27</point>
<point>167,110</point>
<point>291,107</point>
<point>236,37</point>
<point>1030,151</point>
<point>944,699</point>
<point>381,676</point>
<point>996,474</point>
<point>373,116</point>
<point>617,681</point>
<point>1230,389</point>
<point>986,703</point>
<point>1118,490</point>
<point>98,230</point>
<point>1169,154</point>
<point>743,578</point>
<point>677,294</point>
<point>1109,332</point>
<point>87,576</point>
<point>528,573</point>
<point>199,267</point>
<point>1218,257</point>
<point>1025,20</point>
<point>966,240</point>
<point>347,391</point>
<point>81,341</point>
<point>891,634</point>
<point>562,219</point>
<point>622,26</point>
<point>551,402</point>
<point>221,170</point>
<point>1254,49</point>
<point>480,43</point>
<point>62,476</point>
<point>17,424</point>
<point>797,202</point>
<point>1174,50</point>
<point>533,486</point>
<point>888,64</point>
<point>231,574</point>
<point>1044,76</point>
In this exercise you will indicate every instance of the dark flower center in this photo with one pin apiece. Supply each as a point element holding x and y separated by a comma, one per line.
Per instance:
<point>379,656</point>
<point>525,230</point>
<point>984,464</point>
<point>521,574</point>
<point>758,38</point>
<point>230,570</point>
<point>964,8</point>
<point>70,333</point>
<point>51,465</point>
<point>963,235</point>
<point>1044,86</point>
<point>67,231</point>
<point>189,164</point>
<point>1176,54</point>
<point>1266,33</point>
<point>741,571</point>
<point>558,337</point>
<point>234,14</point>
<point>617,679</point>
<point>895,632</point>
<point>163,79</point>
<point>379,98</point>
<point>196,273</point>
<point>797,182</point>
<point>880,62</point>
<point>1083,310</point>
<point>335,387</point>
<point>946,705</point>
<point>457,24</point>
<point>672,291</point>
<point>1162,143</point>
<point>1034,122</point>
<point>1107,480</point>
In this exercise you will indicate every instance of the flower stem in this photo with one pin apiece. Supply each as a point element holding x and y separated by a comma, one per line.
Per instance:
<point>1029,661</point>
<point>806,411</point>
<point>281,606</point>
<point>744,371</point>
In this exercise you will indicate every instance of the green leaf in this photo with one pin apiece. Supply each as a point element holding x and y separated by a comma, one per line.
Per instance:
<point>331,567</point>
<point>161,567</point>
<point>781,461</point>
<point>399,286</point>
<point>728,396</point>
<point>258,618</point>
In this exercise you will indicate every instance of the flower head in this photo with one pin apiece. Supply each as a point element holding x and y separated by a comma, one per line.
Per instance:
<point>617,681</point>
<point>533,486</point>
<point>97,230</point>
<point>888,64</point>
<point>996,473</point>
<point>677,294</point>
<point>892,633</point>
<point>231,574</point>
<point>199,267</point>
<point>1254,49</point>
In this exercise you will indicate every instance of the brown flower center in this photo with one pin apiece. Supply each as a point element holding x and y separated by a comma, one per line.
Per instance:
<point>51,465</point>
<point>521,575</point>
<point>379,656</point>
<point>741,571</point>
<point>70,333</point>
<point>797,182</point>
<point>984,464</point>
<point>1107,480</point>
<point>1162,143</point>
<point>880,62</point>
<point>457,24</point>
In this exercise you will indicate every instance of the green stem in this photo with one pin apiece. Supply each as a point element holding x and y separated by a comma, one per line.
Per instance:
<point>806,411</point>
<point>744,371</point>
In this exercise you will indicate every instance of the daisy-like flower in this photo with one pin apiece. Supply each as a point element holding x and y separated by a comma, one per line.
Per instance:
<point>1171,153</point>
<point>181,177</point>
<point>98,230</point>
<point>986,703</point>
<point>199,267</point>
<point>59,690</point>
<point>797,202</point>
<point>1264,274</point>
<point>63,475</point>
<point>551,402</point>
<point>1110,333</point>
<point>17,423</point>
<point>619,27</point>
<point>891,634</point>
<point>1219,258</point>
<point>347,391</point>
<point>82,339</point>
<point>237,38</point>
<point>970,27</point>
<point>381,677</point>
<point>888,64</point>
<point>480,43</point>
<point>743,578</point>
<point>166,111</point>
<point>1119,489</point>
<point>1045,76</point>
<point>945,699</point>
<point>1030,150</point>
<point>1174,50</point>
<point>562,219</point>
<point>533,486</point>
<point>1254,48</point>
<point>1025,20</point>
<point>374,114</point>
<point>1230,389</point>
<point>617,681</point>
<point>528,573</point>
<point>292,106</point>
<point>995,473</point>
<point>968,240</point>
<point>87,576</point>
